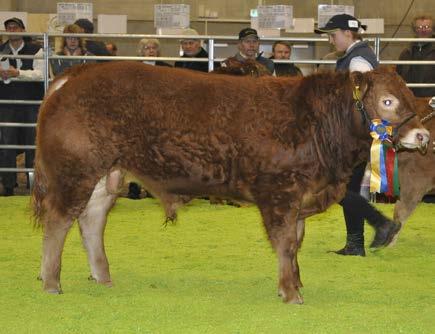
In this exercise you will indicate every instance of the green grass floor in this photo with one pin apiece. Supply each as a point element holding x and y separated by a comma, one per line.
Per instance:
<point>215,272</point>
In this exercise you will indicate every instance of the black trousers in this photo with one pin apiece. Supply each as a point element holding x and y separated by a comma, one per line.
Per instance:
<point>355,207</point>
<point>16,136</point>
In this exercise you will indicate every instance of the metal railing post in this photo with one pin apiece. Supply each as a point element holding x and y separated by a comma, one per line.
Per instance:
<point>378,48</point>
<point>46,62</point>
<point>210,54</point>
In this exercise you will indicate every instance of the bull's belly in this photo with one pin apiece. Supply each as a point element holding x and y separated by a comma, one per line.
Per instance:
<point>317,201</point>
<point>192,187</point>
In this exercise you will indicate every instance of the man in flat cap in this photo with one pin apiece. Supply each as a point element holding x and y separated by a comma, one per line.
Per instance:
<point>17,82</point>
<point>249,44</point>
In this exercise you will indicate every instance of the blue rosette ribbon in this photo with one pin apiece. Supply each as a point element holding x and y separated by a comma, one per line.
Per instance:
<point>381,132</point>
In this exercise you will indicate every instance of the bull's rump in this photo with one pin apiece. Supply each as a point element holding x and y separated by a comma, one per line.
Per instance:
<point>194,133</point>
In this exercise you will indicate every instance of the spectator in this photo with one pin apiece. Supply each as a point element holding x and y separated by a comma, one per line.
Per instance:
<point>344,33</point>
<point>112,49</point>
<point>192,49</point>
<point>249,44</point>
<point>97,48</point>
<point>23,73</point>
<point>150,48</point>
<point>71,46</point>
<point>423,28</point>
<point>282,50</point>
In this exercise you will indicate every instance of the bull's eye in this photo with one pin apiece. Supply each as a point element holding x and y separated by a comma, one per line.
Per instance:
<point>388,102</point>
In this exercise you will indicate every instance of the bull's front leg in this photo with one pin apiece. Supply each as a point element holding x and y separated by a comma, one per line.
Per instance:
<point>282,227</point>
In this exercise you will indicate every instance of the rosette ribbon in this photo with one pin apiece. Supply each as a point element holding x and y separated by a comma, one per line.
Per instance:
<point>384,176</point>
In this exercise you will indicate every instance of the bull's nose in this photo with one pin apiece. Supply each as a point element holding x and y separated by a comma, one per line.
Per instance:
<point>423,136</point>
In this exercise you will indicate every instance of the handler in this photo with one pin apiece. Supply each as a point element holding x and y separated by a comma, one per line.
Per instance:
<point>344,33</point>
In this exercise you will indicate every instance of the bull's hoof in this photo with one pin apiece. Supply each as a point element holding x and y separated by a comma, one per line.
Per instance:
<point>54,291</point>
<point>109,284</point>
<point>385,234</point>
<point>106,282</point>
<point>39,277</point>
<point>295,299</point>
<point>54,288</point>
<point>170,220</point>
<point>292,297</point>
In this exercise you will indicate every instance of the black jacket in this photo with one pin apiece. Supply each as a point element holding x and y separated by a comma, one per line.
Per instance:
<point>360,49</point>
<point>286,70</point>
<point>21,90</point>
<point>418,73</point>
<point>196,66</point>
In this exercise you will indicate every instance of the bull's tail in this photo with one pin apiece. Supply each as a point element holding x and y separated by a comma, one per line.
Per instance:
<point>39,191</point>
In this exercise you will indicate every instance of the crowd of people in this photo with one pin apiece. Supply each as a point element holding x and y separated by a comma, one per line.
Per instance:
<point>344,33</point>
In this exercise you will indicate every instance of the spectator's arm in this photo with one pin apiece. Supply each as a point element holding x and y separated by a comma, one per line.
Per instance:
<point>38,69</point>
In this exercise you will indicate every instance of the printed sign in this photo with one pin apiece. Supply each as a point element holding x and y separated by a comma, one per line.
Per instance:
<point>325,12</point>
<point>172,16</point>
<point>275,17</point>
<point>69,12</point>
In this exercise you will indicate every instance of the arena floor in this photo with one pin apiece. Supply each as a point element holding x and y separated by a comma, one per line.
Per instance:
<point>214,272</point>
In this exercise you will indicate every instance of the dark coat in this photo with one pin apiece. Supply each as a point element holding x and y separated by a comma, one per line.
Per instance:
<point>196,66</point>
<point>286,70</point>
<point>418,73</point>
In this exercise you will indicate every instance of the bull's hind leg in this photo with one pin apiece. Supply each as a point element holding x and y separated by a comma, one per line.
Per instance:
<point>55,230</point>
<point>282,228</point>
<point>92,222</point>
<point>411,193</point>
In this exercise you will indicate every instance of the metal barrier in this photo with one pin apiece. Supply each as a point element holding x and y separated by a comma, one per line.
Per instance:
<point>47,55</point>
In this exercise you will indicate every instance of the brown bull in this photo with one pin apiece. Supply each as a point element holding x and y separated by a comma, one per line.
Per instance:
<point>286,144</point>
<point>416,170</point>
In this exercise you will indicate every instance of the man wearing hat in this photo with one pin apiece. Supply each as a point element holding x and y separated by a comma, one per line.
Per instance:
<point>344,33</point>
<point>17,82</point>
<point>192,49</point>
<point>249,44</point>
<point>97,48</point>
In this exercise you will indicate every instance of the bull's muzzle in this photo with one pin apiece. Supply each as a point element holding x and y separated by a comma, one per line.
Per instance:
<point>415,139</point>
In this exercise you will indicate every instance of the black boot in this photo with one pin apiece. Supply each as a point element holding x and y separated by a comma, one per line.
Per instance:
<point>384,233</point>
<point>133,191</point>
<point>385,229</point>
<point>354,245</point>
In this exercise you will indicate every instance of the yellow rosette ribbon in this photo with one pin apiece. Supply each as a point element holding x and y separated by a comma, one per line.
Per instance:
<point>381,131</point>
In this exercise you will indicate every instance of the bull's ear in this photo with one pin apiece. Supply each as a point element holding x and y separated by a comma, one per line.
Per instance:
<point>359,80</point>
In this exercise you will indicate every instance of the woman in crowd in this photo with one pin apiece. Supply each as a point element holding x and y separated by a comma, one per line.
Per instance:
<point>150,48</point>
<point>71,46</point>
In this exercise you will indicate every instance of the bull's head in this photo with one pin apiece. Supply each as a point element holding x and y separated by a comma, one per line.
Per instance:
<point>383,96</point>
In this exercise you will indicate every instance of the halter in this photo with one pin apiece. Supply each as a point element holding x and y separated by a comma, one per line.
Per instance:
<point>373,124</point>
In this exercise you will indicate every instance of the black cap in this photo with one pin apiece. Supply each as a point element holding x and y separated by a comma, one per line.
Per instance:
<point>343,22</point>
<point>86,25</point>
<point>15,20</point>
<point>248,32</point>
